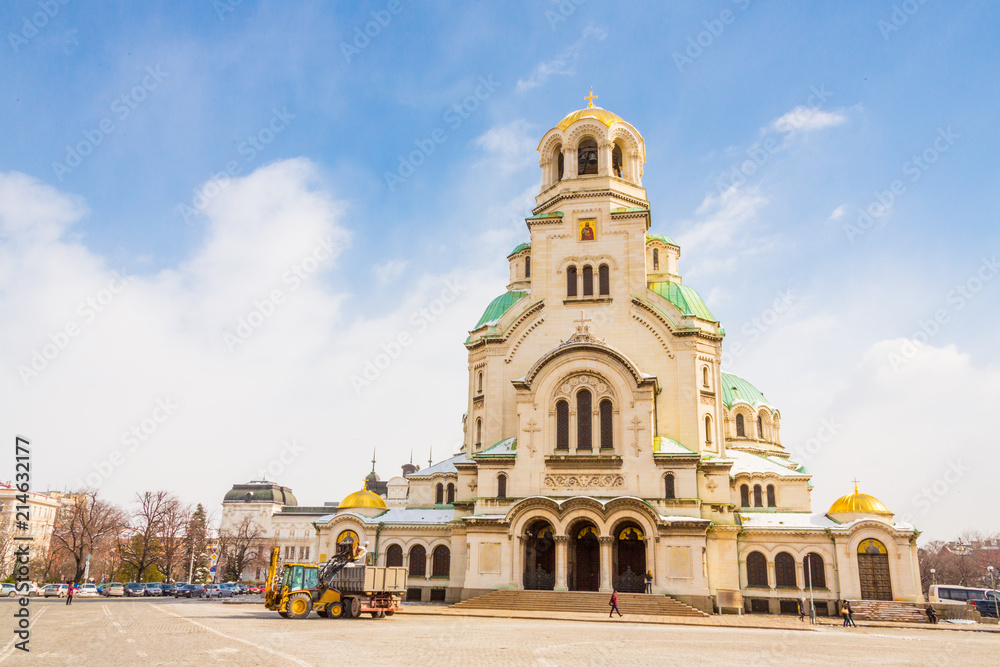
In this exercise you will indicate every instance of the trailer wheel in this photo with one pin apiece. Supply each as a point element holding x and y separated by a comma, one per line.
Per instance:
<point>352,607</point>
<point>389,612</point>
<point>299,605</point>
<point>377,614</point>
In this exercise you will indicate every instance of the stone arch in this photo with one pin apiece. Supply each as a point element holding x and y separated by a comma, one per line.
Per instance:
<point>569,352</point>
<point>584,128</point>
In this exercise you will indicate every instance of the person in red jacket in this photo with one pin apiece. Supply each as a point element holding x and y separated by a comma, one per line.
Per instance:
<point>69,592</point>
<point>614,604</point>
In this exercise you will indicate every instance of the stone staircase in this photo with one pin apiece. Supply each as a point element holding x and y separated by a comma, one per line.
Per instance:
<point>882,610</point>
<point>579,601</point>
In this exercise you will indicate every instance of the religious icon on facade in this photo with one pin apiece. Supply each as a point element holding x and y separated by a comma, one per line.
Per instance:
<point>587,230</point>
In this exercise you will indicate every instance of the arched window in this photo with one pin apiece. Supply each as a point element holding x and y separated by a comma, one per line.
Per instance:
<point>758,500</point>
<point>439,495</point>
<point>560,162</point>
<point>760,428</point>
<point>756,570</point>
<point>451,493</point>
<point>479,432</point>
<point>814,570</point>
<point>616,161</point>
<point>571,281</point>
<point>584,407</point>
<point>588,280</point>
<point>704,375</point>
<point>669,482</point>
<point>607,437</point>
<point>440,561</point>
<point>479,382</point>
<point>527,267</point>
<point>562,425</point>
<point>604,280</point>
<point>586,161</point>
<point>784,570</point>
<point>741,430</point>
<point>418,561</point>
<point>744,495</point>
<point>770,496</point>
<point>501,485</point>
<point>708,430</point>
<point>394,556</point>
<point>656,259</point>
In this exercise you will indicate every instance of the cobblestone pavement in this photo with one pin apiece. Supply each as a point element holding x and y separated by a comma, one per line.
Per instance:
<point>161,632</point>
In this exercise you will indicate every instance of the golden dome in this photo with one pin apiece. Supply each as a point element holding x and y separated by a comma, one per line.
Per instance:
<point>363,499</point>
<point>597,113</point>
<point>860,503</point>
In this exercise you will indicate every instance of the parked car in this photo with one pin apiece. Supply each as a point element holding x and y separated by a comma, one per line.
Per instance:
<point>55,591</point>
<point>190,591</point>
<point>167,589</point>
<point>233,589</point>
<point>134,590</point>
<point>114,590</point>
<point>986,608</point>
<point>8,590</point>
<point>217,591</point>
<point>152,589</point>
<point>86,591</point>
<point>28,588</point>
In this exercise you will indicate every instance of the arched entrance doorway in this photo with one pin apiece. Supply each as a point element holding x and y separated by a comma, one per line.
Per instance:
<point>629,554</point>
<point>873,567</point>
<point>584,567</point>
<point>539,556</point>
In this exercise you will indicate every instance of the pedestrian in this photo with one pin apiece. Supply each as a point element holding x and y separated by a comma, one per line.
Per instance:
<point>802,610</point>
<point>649,581</point>
<point>69,592</point>
<point>614,604</point>
<point>931,613</point>
<point>848,615</point>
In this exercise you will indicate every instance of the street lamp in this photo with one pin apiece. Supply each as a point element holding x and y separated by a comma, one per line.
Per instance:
<point>996,600</point>
<point>933,577</point>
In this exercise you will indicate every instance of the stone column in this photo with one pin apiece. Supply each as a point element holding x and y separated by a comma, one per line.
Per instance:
<point>547,171</point>
<point>606,541</point>
<point>562,544</point>
<point>569,163</point>
<point>604,158</point>
<point>427,568</point>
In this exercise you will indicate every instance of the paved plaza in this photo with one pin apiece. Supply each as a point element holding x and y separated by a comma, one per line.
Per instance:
<point>167,632</point>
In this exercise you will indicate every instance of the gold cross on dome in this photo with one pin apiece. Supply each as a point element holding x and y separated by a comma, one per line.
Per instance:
<point>590,98</point>
<point>855,480</point>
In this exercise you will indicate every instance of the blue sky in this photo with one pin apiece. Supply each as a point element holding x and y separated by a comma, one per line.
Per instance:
<point>835,100</point>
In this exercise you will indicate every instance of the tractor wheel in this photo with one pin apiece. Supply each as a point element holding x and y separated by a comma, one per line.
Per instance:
<point>335,610</point>
<point>299,605</point>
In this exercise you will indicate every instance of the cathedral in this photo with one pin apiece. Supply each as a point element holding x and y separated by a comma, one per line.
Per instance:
<point>603,441</point>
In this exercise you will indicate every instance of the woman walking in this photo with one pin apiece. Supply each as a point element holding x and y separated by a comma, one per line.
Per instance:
<point>614,604</point>
<point>69,592</point>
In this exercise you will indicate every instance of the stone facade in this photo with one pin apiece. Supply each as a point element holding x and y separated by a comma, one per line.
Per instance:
<point>602,439</point>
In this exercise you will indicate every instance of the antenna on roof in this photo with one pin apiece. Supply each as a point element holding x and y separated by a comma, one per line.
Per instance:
<point>373,459</point>
<point>430,456</point>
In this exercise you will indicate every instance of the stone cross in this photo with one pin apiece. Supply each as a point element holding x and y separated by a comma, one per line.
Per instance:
<point>531,429</point>
<point>635,428</point>
<point>581,324</point>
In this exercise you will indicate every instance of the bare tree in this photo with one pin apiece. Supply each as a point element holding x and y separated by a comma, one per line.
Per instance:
<point>173,527</point>
<point>241,546</point>
<point>6,542</point>
<point>140,546</point>
<point>82,524</point>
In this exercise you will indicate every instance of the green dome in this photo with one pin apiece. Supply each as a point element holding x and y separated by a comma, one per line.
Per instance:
<point>523,246</point>
<point>499,306</point>
<point>688,301</point>
<point>660,237</point>
<point>737,390</point>
<point>260,492</point>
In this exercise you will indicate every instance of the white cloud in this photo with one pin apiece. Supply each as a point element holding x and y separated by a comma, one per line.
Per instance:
<point>724,231</point>
<point>510,147</point>
<point>563,64</point>
<point>807,119</point>
<point>389,270</point>
<point>838,212</point>
<point>262,271</point>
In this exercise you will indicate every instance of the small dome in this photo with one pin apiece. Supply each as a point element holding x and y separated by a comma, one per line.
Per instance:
<point>597,113</point>
<point>860,503</point>
<point>363,499</point>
